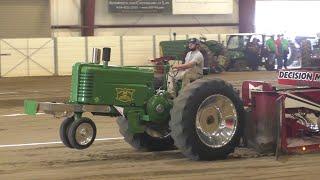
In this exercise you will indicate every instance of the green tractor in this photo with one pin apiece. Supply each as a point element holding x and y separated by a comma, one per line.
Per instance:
<point>239,56</point>
<point>212,51</point>
<point>204,121</point>
<point>309,49</point>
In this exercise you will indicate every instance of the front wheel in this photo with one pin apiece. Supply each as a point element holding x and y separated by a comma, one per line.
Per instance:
<point>63,131</point>
<point>82,133</point>
<point>206,120</point>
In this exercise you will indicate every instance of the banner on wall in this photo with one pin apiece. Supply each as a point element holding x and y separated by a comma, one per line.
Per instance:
<point>202,6</point>
<point>140,6</point>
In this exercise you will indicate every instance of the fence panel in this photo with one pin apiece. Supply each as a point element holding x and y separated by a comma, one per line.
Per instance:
<point>41,52</point>
<point>15,63</point>
<point>26,57</point>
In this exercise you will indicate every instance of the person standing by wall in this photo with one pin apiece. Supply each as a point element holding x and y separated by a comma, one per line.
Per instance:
<point>284,51</point>
<point>279,55</point>
<point>252,54</point>
<point>271,48</point>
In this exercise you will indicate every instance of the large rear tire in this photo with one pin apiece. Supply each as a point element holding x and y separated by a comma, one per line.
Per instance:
<point>205,111</point>
<point>143,141</point>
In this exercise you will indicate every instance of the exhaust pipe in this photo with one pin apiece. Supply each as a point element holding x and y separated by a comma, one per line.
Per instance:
<point>106,56</point>
<point>96,55</point>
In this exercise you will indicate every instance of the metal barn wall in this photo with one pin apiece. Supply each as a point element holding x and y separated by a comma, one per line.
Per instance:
<point>55,56</point>
<point>68,13</point>
<point>24,18</point>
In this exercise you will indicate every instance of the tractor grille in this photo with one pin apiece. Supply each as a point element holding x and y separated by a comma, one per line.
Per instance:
<point>85,88</point>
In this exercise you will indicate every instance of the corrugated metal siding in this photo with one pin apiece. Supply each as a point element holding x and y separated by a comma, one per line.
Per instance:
<point>24,18</point>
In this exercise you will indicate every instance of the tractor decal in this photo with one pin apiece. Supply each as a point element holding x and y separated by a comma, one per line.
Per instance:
<point>125,95</point>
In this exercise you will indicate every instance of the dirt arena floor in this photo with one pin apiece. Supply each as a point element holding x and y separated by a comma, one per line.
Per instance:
<point>30,148</point>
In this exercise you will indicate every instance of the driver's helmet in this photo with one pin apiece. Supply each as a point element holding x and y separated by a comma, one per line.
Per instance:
<point>194,41</point>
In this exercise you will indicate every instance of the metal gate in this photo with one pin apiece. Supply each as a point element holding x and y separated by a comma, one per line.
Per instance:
<point>26,57</point>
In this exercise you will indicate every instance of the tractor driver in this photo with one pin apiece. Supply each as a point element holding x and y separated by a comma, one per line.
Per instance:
<point>190,71</point>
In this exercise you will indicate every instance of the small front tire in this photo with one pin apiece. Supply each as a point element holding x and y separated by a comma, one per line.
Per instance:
<point>63,131</point>
<point>82,133</point>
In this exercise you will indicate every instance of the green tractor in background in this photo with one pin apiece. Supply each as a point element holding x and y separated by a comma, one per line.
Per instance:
<point>308,50</point>
<point>316,50</point>
<point>218,58</point>
<point>204,121</point>
<point>212,51</point>
<point>238,58</point>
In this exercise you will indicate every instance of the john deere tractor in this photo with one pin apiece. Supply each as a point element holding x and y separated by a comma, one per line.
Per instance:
<point>212,51</point>
<point>204,121</point>
<point>242,53</point>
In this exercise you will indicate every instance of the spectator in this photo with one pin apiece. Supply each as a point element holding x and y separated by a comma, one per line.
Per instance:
<point>252,54</point>
<point>284,51</point>
<point>279,55</point>
<point>271,48</point>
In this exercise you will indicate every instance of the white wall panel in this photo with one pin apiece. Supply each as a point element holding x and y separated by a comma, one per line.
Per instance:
<point>164,31</point>
<point>68,13</point>
<point>70,51</point>
<point>41,52</point>
<point>65,12</point>
<point>207,36</point>
<point>66,33</point>
<point>138,50</point>
<point>202,6</point>
<point>14,64</point>
<point>28,57</point>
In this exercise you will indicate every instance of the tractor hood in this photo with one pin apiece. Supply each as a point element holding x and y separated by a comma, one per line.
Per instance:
<point>122,86</point>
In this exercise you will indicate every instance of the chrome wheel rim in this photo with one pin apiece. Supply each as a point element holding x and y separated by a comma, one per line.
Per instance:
<point>216,121</point>
<point>84,134</point>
